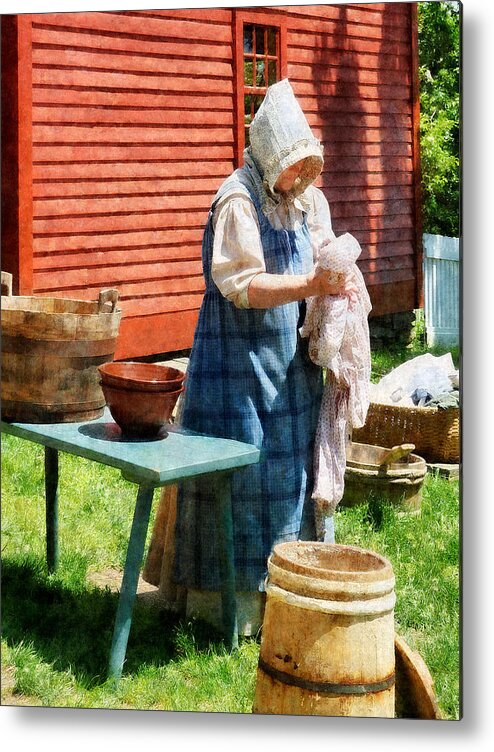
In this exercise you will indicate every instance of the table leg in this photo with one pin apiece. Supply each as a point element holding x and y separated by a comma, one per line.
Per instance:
<point>135,553</point>
<point>226,558</point>
<point>51,495</point>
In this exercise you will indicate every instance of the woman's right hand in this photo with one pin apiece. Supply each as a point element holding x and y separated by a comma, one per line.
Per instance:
<point>324,282</point>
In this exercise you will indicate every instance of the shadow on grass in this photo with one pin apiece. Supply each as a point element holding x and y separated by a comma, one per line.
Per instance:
<point>71,626</point>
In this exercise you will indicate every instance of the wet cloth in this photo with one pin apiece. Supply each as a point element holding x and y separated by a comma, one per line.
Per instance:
<point>338,333</point>
<point>249,378</point>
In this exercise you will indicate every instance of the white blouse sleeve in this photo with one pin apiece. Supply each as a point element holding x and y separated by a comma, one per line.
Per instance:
<point>237,251</point>
<point>319,221</point>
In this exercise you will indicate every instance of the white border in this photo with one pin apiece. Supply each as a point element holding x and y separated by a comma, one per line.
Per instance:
<point>61,729</point>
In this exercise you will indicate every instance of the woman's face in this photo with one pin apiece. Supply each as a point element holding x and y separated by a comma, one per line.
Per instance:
<point>287,178</point>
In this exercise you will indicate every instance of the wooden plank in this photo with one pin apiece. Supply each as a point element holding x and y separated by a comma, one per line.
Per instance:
<point>383,222</point>
<point>340,133</point>
<point>136,152</point>
<point>54,37</point>
<point>376,251</point>
<point>126,25</point>
<point>176,301</point>
<point>348,89</point>
<point>370,237</point>
<point>386,164</point>
<point>330,178</point>
<point>137,64</point>
<point>206,15</point>
<point>62,115</point>
<point>361,14</point>
<point>340,42</point>
<point>330,72</point>
<point>121,188</point>
<point>341,149</point>
<point>346,56</point>
<point>129,170</point>
<point>328,105</point>
<point>342,119</point>
<point>135,82</point>
<point>370,208</point>
<point>162,333</point>
<point>81,207</point>
<point>357,194</point>
<point>62,259</point>
<point>137,289</point>
<point>46,94</point>
<point>128,135</point>
<point>348,28</point>
<point>156,221</point>
<point>123,241</point>
<point>386,277</point>
<point>378,265</point>
<point>167,273</point>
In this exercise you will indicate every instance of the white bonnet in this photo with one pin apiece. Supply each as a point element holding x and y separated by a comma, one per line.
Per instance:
<point>280,136</point>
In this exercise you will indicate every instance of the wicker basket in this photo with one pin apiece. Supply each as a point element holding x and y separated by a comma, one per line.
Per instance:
<point>434,431</point>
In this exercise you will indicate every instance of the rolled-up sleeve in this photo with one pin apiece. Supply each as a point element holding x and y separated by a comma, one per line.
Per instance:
<point>237,250</point>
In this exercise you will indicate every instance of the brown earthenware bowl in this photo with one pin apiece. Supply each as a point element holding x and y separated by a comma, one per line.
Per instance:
<point>150,377</point>
<point>141,400</point>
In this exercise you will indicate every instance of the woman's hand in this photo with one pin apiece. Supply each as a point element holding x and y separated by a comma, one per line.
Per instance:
<point>269,290</point>
<point>323,282</point>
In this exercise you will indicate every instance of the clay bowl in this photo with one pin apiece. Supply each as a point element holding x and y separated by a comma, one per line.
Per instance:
<point>151,377</point>
<point>140,400</point>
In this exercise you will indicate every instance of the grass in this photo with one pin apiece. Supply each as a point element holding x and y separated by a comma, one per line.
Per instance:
<point>57,627</point>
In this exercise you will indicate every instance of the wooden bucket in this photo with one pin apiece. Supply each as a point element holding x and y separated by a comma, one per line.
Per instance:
<point>327,645</point>
<point>51,350</point>
<point>395,476</point>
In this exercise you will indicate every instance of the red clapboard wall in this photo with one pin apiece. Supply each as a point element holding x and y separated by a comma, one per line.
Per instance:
<point>119,127</point>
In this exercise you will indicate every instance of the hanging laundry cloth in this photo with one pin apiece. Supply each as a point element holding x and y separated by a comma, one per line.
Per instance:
<point>338,333</point>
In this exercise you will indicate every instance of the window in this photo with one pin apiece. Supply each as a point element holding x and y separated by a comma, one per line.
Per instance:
<point>261,68</point>
<point>260,62</point>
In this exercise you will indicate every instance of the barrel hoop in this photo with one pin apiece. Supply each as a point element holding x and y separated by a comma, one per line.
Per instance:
<point>326,688</point>
<point>373,607</point>
<point>19,345</point>
<point>341,590</point>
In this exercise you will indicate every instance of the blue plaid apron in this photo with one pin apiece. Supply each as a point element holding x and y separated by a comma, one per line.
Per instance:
<point>249,378</point>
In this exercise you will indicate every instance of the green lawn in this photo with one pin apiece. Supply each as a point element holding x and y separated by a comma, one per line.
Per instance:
<point>56,629</point>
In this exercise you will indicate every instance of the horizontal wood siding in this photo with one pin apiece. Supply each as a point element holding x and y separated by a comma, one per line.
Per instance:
<point>132,132</point>
<point>131,128</point>
<point>351,67</point>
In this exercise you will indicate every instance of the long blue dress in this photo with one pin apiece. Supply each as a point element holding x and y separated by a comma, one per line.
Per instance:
<point>250,379</point>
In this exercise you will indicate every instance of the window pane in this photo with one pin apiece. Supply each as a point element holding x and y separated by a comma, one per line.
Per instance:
<point>248,109</point>
<point>257,103</point>
<point>248,73</point>
<point>259,40</point>
<point>247,138</point>
<point>248,38</point>
<point>271,41</point>
<point>260,81</point>
<point>272,72</point>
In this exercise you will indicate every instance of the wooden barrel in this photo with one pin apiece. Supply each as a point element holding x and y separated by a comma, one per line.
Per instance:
<point>51,350</point>
<point>373,472</point>
<point>327,645</point>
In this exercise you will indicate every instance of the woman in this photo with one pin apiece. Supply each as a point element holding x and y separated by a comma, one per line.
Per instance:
<point>249,376</point>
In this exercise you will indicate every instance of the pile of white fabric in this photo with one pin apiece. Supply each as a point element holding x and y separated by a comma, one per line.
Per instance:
<point>338,333</point>
<point>429,374</point>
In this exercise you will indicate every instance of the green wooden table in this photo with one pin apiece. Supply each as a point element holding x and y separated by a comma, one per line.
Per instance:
<point>150,464</point>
